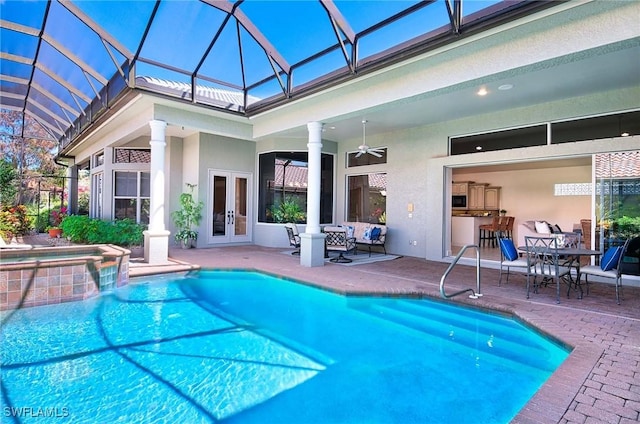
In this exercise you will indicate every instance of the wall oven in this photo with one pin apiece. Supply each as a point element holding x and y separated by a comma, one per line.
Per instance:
<point>459,201</point>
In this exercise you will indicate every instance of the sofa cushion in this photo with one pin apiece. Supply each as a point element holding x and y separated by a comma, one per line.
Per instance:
<point>542,227</point>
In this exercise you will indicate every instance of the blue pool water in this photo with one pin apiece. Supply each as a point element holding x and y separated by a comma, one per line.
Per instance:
<point>243,347</point>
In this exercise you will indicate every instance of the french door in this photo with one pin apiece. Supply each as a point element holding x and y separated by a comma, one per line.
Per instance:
<point>229,207</point>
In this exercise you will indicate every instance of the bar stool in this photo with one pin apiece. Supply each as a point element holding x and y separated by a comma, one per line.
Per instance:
<point>487,232</point>
<point>509,227</point>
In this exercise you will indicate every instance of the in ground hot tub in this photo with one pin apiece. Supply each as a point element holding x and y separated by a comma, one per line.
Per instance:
<point>46,275</point>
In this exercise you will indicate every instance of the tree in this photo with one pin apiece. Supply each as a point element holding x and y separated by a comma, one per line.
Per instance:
<point>8,176</point>
<point>28,156</point>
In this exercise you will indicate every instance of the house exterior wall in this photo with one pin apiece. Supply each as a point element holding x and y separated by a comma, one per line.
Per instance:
<point>216,152</point>
<point>417,163</point>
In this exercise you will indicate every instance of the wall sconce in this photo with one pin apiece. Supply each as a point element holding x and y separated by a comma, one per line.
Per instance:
<point>410,207</point>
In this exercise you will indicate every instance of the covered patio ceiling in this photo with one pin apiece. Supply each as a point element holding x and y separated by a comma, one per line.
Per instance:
<point>63,63</point>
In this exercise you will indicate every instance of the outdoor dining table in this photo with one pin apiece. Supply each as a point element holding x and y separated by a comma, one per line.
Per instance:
<point>570,257</point>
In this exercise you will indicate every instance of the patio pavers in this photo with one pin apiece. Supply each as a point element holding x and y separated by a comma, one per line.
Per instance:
<point>599,382</point>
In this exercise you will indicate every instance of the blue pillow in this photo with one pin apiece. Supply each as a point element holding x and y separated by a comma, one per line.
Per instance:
<point>508,249</point>
<point>610,258</point>
<point>375,233</point>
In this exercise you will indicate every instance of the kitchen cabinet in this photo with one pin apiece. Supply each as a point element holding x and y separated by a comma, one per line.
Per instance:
<point>492,198</point>
<point>476,196</point>
<point>459,189</point>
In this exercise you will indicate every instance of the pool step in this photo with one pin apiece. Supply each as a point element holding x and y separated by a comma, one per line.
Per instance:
<point>466,319</point>
<point>483,341</point>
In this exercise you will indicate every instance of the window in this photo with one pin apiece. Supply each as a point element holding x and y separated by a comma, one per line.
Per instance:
<point>598,127</point>
<point>132,156</point>
<point>367,159</point>
<point>572,189</point>
<point>98,159</point>
<point>367,198</point>
<point>499,140</point>
<point>588,128</point>
<point>282,193</point>
<point>132,196</point>
<point>617,197</point>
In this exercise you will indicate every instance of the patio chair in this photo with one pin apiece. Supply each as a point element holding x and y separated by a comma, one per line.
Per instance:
<point>610,267</point>
<point>509,257</point>
<point>294,237</point>
<point>543,261</point>
<point>337,241</point>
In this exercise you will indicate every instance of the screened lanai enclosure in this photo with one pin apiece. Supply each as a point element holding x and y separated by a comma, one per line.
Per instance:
<point>66,63</point>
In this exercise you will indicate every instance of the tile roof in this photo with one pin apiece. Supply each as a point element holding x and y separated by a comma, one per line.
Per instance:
<point>618,165</point>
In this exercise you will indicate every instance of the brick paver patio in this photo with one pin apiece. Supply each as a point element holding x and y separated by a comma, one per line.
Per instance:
<point>598,383</point>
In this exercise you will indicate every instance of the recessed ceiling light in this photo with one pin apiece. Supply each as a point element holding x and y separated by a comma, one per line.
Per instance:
<point>478,147</point>
<point>482,92</point>
<point>625,134</point>
<point>505,87</point>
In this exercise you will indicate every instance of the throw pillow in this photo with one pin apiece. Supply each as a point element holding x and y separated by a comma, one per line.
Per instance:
<point>350,230</point>
<point>375,233</point>
<point>542,227</point>
<point>367,234</point>
<point>556,229</point>
<point>610,258</point>
<point>508,249</point>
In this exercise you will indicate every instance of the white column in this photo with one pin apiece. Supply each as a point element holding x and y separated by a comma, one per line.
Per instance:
<point>312,241</point>
<point>156,238</point>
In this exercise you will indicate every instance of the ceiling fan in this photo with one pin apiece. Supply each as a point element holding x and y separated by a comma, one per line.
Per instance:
<point>364,148</point>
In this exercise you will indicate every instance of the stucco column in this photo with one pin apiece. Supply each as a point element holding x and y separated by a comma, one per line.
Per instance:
<point>312,241</point>
<point>156,238</point>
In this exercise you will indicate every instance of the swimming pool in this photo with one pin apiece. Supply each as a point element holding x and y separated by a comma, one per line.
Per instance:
<point>246,347</point>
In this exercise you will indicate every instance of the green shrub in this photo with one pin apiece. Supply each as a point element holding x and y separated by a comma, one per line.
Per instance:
<point>42,220</point>
<point>627,227</point>
<point>76,228</point>
<point>82,229</point>
<point>288,210</point>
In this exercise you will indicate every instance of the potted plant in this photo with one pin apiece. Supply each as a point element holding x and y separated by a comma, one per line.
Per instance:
<point>57,216</point>
<point>187,218</point>
<point>503,212</point>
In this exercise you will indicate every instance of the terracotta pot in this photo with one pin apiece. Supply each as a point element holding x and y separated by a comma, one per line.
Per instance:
<point>55,232</point>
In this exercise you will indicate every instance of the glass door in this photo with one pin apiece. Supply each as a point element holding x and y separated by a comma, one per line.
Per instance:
<point>96,197</point>
<point>229,207</point>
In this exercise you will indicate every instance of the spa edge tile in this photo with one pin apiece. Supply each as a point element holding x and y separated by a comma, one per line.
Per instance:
<point>14,286</point>
<point>53,292</point>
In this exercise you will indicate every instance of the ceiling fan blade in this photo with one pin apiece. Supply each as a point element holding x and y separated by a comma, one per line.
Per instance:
<point>359,153</point>
<point>374,153</point>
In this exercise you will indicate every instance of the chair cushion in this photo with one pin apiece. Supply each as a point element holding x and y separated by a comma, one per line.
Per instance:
<point>610,258</point>
<point>375,233</point>
<point>508,249</point>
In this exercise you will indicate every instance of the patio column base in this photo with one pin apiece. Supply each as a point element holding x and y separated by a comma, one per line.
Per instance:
<point>156,247</point>
<point>312,249</point>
